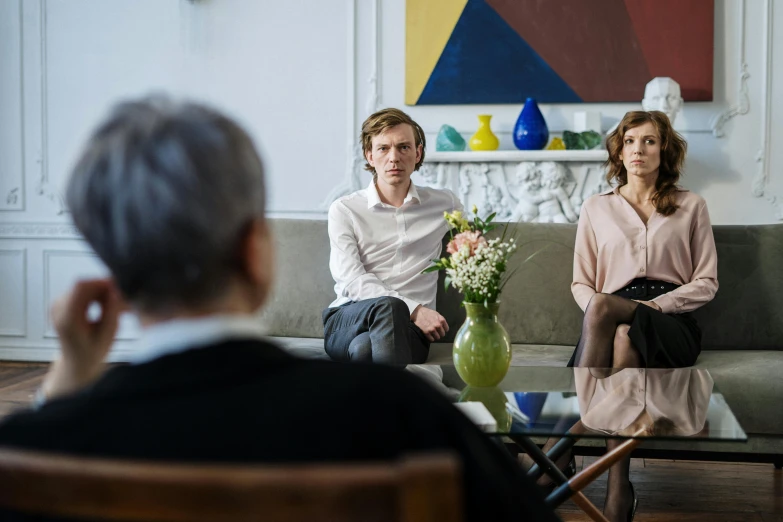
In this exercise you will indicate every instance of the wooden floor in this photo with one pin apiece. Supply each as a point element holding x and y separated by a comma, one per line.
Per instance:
<point>692,491</point>
<point>668,490</point>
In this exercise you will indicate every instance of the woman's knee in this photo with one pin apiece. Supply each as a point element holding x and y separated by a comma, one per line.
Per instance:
<point>598,305</point>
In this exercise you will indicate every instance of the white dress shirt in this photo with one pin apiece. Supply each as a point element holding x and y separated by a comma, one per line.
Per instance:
<point>180,335</point>
<point>380,250</point>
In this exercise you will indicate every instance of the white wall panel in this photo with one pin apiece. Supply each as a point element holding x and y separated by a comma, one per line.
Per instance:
<point>13,293</point>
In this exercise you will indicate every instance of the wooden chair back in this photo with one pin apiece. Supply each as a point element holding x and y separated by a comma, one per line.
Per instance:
<point>417,488</point>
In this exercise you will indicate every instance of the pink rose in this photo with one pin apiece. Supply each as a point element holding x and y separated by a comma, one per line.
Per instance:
<point>473,239</point>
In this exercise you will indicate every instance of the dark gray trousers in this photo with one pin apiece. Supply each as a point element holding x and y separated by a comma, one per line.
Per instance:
<point>378,330</point>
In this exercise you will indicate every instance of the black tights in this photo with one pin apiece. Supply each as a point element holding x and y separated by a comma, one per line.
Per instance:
<point>605,342</point>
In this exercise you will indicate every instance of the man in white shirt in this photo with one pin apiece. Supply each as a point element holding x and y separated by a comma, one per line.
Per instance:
<point>382,237</point>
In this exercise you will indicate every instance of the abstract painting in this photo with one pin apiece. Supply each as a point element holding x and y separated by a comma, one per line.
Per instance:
<point>557,51</point>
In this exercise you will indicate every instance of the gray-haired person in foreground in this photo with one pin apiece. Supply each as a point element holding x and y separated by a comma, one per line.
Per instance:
<point>171,197</point>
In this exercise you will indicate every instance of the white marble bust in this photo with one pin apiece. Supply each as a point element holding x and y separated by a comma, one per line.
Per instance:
<point>663,94</point>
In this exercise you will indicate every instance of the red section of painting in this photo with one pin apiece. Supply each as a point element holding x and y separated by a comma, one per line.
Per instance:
<point>677,41</point>
<point>591,45</point>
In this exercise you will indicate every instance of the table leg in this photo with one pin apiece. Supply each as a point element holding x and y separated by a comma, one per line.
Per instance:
<point>560,448</point>
<point>542,460</point>
<point>552,471</point>
<point>590,473</point>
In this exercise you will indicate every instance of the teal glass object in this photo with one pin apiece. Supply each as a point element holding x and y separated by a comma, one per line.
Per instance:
<point>586,140</point>
<point>449,140</point>
<point>482,347</point>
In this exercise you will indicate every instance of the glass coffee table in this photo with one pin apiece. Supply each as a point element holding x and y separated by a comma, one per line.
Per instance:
<point>570,404</point>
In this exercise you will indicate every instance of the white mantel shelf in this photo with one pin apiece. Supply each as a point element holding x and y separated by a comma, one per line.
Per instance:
<point>546,186</point>
<point>517,156</point>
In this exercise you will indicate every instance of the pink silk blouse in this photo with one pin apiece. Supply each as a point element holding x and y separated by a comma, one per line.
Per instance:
<point>614,246</point>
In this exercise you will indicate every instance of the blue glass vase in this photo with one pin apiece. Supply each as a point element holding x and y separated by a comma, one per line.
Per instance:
<point>531,132</point>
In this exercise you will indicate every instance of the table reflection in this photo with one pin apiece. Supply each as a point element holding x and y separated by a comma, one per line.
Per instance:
<point>656,402</point>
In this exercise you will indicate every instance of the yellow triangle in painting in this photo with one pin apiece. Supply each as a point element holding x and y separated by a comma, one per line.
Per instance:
<point>428,26</point>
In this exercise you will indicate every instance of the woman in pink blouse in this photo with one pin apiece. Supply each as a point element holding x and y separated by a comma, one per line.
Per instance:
<point>644,259</point>
<point>644,256</point>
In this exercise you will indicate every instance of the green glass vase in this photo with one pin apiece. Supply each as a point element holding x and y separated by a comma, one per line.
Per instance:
<point>495,401</point>
<point>482,348</point>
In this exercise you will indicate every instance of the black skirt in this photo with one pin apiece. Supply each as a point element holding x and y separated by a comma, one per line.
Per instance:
<point>663,340</point>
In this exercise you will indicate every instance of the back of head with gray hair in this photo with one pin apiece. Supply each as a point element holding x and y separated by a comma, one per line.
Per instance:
<point>164,193</point>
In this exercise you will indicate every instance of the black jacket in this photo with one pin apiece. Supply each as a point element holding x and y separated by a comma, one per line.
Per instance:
<point>248,401</point>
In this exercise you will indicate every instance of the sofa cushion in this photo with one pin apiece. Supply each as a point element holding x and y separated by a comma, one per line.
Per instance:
<point>305,347</point>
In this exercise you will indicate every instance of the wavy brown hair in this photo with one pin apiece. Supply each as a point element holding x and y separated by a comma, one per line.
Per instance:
<point>673,149</point>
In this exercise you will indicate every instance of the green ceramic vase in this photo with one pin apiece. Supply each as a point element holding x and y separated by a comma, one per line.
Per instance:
<point>482,348</point>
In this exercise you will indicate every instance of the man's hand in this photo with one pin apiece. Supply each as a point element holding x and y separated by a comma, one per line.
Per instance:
<point>84,343</point>
<point>649,303</point>
<point>430,322</point>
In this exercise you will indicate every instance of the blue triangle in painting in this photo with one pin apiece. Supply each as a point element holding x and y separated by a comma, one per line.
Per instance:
<point>486,61</point>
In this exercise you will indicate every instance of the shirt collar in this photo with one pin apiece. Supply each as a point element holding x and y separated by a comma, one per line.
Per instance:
<point>616,190</point>
<point>180,335</point>
<point>374,199</point>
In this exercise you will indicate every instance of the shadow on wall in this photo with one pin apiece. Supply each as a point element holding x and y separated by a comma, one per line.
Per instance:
<point>707,164</point>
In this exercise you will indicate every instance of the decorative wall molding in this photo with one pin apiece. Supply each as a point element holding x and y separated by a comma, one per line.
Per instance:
<point>538,186</point>
<point>45,186</point>
<point>19,302</point>
<point>761,179</point>
<point>38,231</point>
<point>14,200</point>
<point>743,100</point>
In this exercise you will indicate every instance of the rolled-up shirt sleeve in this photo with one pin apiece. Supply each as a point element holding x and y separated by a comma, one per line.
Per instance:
<point>704,282</point>
<point>351,279</point>
<point>583,286</point>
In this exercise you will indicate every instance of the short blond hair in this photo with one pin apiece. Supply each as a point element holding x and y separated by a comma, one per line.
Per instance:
<point>383,120</point>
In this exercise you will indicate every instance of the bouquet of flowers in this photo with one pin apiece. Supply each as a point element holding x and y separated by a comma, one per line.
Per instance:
<point>476,266</point>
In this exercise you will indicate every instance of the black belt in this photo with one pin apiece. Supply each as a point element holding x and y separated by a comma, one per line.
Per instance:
<point>643,287</point>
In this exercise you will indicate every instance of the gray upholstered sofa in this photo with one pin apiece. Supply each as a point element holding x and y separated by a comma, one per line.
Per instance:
<point>743,326</point>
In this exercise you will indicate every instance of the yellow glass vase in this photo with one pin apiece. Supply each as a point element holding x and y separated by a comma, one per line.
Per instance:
<point>484,139</point>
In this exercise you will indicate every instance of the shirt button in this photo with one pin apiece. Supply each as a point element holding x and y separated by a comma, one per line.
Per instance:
<point>642,247</point>
<point>641,270</point>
